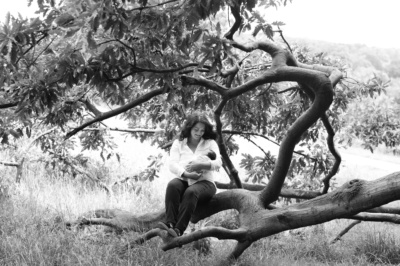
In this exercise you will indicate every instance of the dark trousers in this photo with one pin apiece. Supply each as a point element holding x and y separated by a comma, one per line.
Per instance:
<point>181,200</point>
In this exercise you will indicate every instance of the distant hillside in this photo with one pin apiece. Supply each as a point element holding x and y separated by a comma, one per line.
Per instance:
<point>363,60</point>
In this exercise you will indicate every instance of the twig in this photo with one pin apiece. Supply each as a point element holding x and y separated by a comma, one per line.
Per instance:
<point>265,137</point>
<point>8,105</point>
<point>344,231</point>
<point>147,7</point>
<point>33,62</point>
<point>117,111</point>
<point>9,163</point>
<point>283,38</point>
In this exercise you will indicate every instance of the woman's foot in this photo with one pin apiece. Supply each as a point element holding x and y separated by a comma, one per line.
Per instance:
<point>174,232</point>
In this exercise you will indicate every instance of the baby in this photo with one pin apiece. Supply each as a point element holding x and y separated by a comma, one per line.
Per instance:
<point>209,156</point>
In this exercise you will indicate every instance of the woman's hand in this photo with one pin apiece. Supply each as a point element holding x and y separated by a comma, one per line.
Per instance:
<point>194,167</point>
<point>192,175</point>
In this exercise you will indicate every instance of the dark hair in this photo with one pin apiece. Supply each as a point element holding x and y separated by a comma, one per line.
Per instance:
<point>211,155</point>
<point>192,120</point>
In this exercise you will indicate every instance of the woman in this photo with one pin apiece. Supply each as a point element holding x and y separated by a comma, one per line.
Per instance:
<point>192,185</point>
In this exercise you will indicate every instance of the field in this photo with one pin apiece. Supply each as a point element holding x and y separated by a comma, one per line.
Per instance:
<point>32,215</point>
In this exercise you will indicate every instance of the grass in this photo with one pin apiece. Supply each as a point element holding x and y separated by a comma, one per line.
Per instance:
<point>32,212</point>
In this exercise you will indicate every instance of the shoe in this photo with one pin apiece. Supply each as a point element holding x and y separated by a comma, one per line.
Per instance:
<point>174,232</point>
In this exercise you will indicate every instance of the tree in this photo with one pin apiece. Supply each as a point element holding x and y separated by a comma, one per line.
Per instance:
<point>156,61</point>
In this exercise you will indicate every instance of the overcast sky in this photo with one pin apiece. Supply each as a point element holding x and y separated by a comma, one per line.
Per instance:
<point>370,22</point>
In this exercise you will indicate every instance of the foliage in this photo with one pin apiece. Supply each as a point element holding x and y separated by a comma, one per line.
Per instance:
<point>132,55</point>
<point>376,123</point>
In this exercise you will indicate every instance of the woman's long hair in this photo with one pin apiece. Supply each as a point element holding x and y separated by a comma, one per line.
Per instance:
<point>192,120</point>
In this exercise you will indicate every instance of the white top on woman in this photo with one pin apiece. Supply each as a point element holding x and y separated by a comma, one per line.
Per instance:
<point>181,155</point>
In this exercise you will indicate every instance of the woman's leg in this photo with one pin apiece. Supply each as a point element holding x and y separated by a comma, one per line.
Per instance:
<point>199,192</point>
<point>175,189</point>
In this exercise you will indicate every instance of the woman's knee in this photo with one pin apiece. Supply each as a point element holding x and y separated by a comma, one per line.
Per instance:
<point>175,185</point>
<point>191,194</point>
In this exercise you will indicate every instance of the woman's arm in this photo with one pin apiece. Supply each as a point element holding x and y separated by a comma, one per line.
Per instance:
<point>191,175</point>
<point>214,165</point>
<point>174,156</point>
<point>217,163</point>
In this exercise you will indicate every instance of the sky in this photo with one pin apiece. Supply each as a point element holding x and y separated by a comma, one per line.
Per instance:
<point>369,22</point>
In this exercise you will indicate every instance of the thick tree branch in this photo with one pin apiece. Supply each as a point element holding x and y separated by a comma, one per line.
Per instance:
<point>286,193</point>
<point>209,231</point>
<point>345,202</point>
<point>187,80</point>
<point>138,101</point>
<point>385,209</point>
<point>377,217</point>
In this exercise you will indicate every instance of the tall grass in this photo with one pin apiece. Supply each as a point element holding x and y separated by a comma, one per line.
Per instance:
<point>33,212</point>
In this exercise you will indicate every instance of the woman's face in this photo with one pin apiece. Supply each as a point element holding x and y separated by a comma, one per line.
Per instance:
<point>197,131</point>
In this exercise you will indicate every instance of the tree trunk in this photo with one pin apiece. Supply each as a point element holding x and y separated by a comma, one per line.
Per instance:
<point>256,222</point>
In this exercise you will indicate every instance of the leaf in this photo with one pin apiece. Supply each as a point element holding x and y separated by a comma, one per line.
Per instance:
<point>95,23</point>
<point>196,35</point>
<point>257,30</point>
<point>91,42</point>
<point>28,132</point>
<point>269,31</point>
<point>218,29</point>
<point>71,32</point>
<point>250,4</point>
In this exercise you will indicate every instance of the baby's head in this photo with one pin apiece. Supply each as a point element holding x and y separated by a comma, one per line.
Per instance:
<point>211,155</point>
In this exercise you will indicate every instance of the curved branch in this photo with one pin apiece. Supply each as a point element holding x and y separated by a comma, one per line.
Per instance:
<point>187,80</point>
<point>209,231</point>
<point>333,150</point>
<point>141,239</point>
<point>234,174</point>
<point>103,116</point>
<point>235,9</point>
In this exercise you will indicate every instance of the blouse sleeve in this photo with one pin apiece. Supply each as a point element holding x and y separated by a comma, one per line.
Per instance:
<point>174,156</point>
<point>217,163</point>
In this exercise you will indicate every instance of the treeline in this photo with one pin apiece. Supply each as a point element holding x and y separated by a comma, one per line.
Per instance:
<point>363,61</point>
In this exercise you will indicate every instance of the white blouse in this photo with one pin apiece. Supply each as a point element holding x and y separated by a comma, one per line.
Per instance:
<point>181,155</point>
